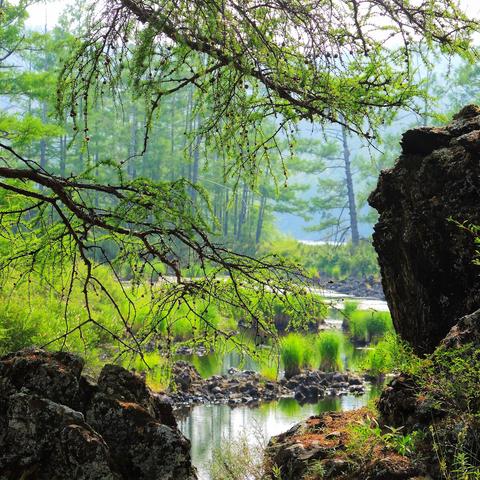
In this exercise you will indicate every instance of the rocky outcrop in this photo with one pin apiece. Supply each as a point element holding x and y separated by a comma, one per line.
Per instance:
<point>367,287</point>
<point>426,259</point>
<point>402,405</point>
<point>57,424</point>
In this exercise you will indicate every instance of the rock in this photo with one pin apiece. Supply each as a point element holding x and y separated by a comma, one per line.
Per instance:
<point>141,446</point>
<point>426,260</point>
<point>466,330</point>
<point>55,376</point>
<point>185,375</point>
<point>322,442</point>
<point>424,140</point>
<point>400,405</point>
<point>52,441</point>
<point>57,424</point>
<point>356,389</point>
<point>115,381</point>
<point>248,386</point>
<point>366,287</point>
<point>354,381</point>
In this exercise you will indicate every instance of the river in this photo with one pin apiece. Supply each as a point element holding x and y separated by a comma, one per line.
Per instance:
<point>210,426</point>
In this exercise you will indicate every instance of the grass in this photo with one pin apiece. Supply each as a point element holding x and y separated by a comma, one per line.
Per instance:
<point>239,459</point>
<point>329,346</point>
<point>367,326</point>
<point>291,353</point>
<point>367,439</point>
<point>332,261</point>
<point>390,355</point>
<point>349,307</point>
<point>32,313</point>
<point>153,366</point>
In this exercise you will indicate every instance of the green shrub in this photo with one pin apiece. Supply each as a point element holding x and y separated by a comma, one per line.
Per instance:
<point>32,313</point>
<point>378,325</point>
<point>333,261</point>
<point>357,326</point>
<point>309,359</point>
<point>153,366</point>
<point>349,307</point>
<point>329,347</point>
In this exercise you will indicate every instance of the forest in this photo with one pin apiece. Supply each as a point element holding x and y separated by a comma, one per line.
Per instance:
<point>239,240</point>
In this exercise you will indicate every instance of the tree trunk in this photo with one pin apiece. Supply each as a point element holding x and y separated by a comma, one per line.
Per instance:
<point>261,215</point>
<point>63,155</point>
<point>350,190</point>
<point>225,216</point>
<point>43,141</point>
<point>243,211</point>
<point>133,147</point>
<point>196,160</point>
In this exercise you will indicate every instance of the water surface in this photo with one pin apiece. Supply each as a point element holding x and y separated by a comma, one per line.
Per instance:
<point>210,426</point>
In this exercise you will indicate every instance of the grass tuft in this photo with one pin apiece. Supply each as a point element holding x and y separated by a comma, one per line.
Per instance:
<point>329,346</point>
<point>291,353</point>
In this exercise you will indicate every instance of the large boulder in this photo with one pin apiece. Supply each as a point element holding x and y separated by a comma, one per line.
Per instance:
<point>56,423</point>
<point>465,331</point>
<point>426,258</point>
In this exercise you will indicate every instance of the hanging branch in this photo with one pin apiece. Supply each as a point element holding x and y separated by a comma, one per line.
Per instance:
<point>54,222</point>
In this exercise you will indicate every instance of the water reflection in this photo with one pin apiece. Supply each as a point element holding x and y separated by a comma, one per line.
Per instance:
<point>207,426</point>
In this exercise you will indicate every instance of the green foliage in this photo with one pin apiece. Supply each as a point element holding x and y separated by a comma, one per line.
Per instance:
<point>450,379</point>
<point>349,307</point>
<point>315,471</point>
<point>366,436</point>
<point>455,445</point>
<point>329,347</point>
<point>403,444</point>
<point>27,129</point>
<point>155,368</point>
<point>32,313</point>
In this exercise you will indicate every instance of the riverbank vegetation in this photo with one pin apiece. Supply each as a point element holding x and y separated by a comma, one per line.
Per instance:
<point>328,261</point>
<point>32,314</point>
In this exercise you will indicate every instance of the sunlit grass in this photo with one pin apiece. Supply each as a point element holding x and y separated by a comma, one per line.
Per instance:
<point>155,368</point>
<point>329,345</point>
<point>368,325</point>
<point>291,353</point>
